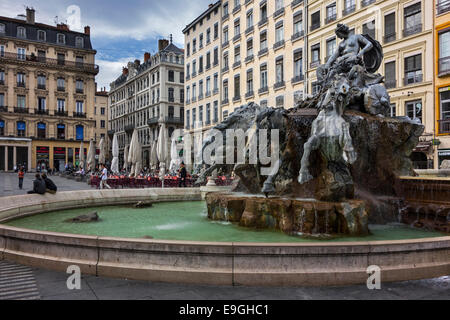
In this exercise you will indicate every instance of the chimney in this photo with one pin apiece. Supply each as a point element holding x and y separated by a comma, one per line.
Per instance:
<point>162,43</point>
<point>125,71</point>
<point>87,30</point>
<point>146,56</point>
<point>62,26</point>
<point>30,15</point>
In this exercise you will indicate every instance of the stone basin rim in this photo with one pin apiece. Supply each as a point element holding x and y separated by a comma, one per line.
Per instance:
<point>202,262</point>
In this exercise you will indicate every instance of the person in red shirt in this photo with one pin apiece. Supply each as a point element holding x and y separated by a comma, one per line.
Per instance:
<point>21,175</point>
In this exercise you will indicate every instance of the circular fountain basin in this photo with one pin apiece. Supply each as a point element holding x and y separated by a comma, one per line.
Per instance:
<point>173,241</point>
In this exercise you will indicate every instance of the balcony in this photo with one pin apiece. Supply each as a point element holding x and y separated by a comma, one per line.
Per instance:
<point>200,96</point>
<point>208,94</point>
<point>225,69</point>
<point>225,44</point>
<point>279,85</point>
<point>365,3</point>
<point>2,82</point>
<point>194,74</point>
<point>413,30</point>
<point>41,86</point>
<point>48,62</point>
<point>225,101</point>
<point>194,99</point>
<point>152,121</point>
<point>444,66</point>
<point>61,89</point>
<point>236,98</point>
<point>444,126</point>
<point>298,78</point>
<point>236,64</point>
<point>79,114</point>
<point>331,18</point>
<point>314,26</point>
<point>390,37</point>
<point>129,128</point>
<point>278,13</point>
<point>249,29</point>
<point>390,84</point>
<point>418,78</point>
<point>249,58</point>
<point>79,91</point>
<point>21,84</point>
<point>215,63</point>
<point>262,22</point>
<point>236,9</point>
<point>297,35</point>
<point>349,10</point>
<point>20,110</point>
<point>225,16</point>
<point>247,2</point>
<point>188,101</point>
<point>263,52</point>
<point>208,66</point>
<point>3,109</point>
<point>314,64</point>
<point>61,113</point>
<point>442,7</point>
<point>215,91</point>
<point>237,37</point>
<point>263,90</point>
<point>41,111</point>
<point>174,120</point>
<point>278,45</point>
<point>188,77</point>
<point>296,3</point>
<point>249,94</point>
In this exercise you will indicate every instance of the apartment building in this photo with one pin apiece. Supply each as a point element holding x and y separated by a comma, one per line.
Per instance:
<point>442,80</point>
<point>47,89</point>
<point>146,95</point>
<point>101,115</point>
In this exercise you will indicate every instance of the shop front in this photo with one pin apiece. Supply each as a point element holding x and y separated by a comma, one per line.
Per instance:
<point>55,155</point>
<point>443,154</point>
<point>14,153</point>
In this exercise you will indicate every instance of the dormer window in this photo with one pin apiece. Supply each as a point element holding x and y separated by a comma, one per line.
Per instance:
<point>61,38</point>
<point>2,28</point>
<point>21,32</point>
<point>79,42</point>
<point>41,35</point>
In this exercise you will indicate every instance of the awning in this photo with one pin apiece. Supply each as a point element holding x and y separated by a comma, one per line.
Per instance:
<point>423,146</point>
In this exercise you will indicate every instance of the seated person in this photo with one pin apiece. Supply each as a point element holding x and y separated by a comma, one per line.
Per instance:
<point>38,185</point>
<point>49,184</point>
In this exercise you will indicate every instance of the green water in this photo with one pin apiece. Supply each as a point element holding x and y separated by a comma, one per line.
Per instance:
<point>182,221</point>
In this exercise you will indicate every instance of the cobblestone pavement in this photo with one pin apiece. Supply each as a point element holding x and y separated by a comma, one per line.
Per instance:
<point>52,285</point>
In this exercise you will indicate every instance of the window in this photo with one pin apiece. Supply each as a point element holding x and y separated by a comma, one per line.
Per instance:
<point>393,110</point>
<point>20,79</point>
<point>2,99</point>
<point>208,35</point>
<point>41,56</point>
<point>263,12</point>
<point>21,54</point>
<point>331,12</point>
<point>171,95</point>
<point>225,61</point>
<point>390,78</point>
<point>389,27</point>
<point>200,64</point>
<point>200,115</point>
<point>200,89</point>
<point>263,40</point>
<point>349,6</point>
<point>412,19</point>
<point>414,109</point>
<point>41,103</point>
<point>225,9</point>
<point>208,60</point>
<point>79,106</point>
<point>249,81</point>
<point>79,61</point>
<point>194,118</point>
<point>2,50</point>
<point>60,82</point>
<point>331,47</point>
<point>216,82</point>
<point>315,20</point>
<point>298,64</point>
<point>263,71</point>
<point>188,118</point>
<point>41,130</point>
<point>279,70</point>
<point>188,69</point>
<point>250,47</point>
<point>237,54</point>
<point>21,32</point>
<point>79,86</point>
<point>200,41</point>
<point>208,86</point>
<point>208,113</point>
<point>225,90</point>
<point>216,56</point>
<point>225,114</point>
<point>216,30</point>
<point>216,111</point>
<point>315,53</point>
<point>181,77</point>
<point>249,18</point>
<point>21,101</point>
<point>41,35</point>
<point>279,32</point>
<point>225,35</point>
<point>237,27</point>
<point>61,131</point>
<point>413,69</point>
<point>61,59</point>
<point>182,95</point>
<point>188,49</point>
<point>171,76</point>
<point>298,24</point>
<point>369,28</point>
<point>2,28</point>
<point>194,68</point>
<point>61,105</point>
<point>194,92</point>
<point>79,132</point>
<point>60,38</point>
<point>278,4</point>
<point>444,104</point>
<point>194,45</point>
<point>444,52</point>
<point>21,128</point>
<point>237,86</point>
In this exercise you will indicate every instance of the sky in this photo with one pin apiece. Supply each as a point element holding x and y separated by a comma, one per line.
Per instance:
<point>121,31</point>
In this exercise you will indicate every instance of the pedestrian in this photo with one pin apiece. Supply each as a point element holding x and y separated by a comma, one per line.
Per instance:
<point>104,178</point>
<point>21,175</point>
<point>183,174</point>
<point>38,185</point>
<point>50,186</point>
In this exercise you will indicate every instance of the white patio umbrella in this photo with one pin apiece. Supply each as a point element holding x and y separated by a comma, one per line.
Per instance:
<point>162,152</point>
<point>102,154</point>
<point>153,157</point>
<point>81,156</point>
<point>175,160</point>
<point>125,158</point>
<point>91,156</point>
<point>135,154</point>
<point>115,154</point>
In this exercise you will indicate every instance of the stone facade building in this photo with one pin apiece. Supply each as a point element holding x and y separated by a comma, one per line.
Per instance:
<point>47,89</point>
<point>270,50</point>
<point>101,116</point>
<point>147,94</point>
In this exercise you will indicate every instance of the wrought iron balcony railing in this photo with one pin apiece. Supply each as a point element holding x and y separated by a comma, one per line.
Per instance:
<point>21,110</point>
<point>41,111</point>
<point>79,114</point>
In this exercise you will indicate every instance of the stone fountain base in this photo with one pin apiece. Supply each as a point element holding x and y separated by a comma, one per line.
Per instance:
<point>291,216</point>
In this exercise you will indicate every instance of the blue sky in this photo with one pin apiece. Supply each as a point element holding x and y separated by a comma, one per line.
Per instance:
<point>120,30</point>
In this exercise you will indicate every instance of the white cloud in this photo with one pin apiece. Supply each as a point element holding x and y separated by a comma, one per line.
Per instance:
<point>110,71</point>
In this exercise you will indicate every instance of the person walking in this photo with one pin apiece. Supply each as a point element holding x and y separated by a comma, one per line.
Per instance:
<point>38,185</point>
<point>21,175</point>
<point>183,174</point>
<point>104,177</point>
<point>50,186</point>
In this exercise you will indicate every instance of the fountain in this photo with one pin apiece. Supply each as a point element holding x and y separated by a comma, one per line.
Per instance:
<point>352,153</point>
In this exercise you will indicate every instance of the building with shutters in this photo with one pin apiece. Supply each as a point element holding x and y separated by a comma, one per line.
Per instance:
<point>47,89</point>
